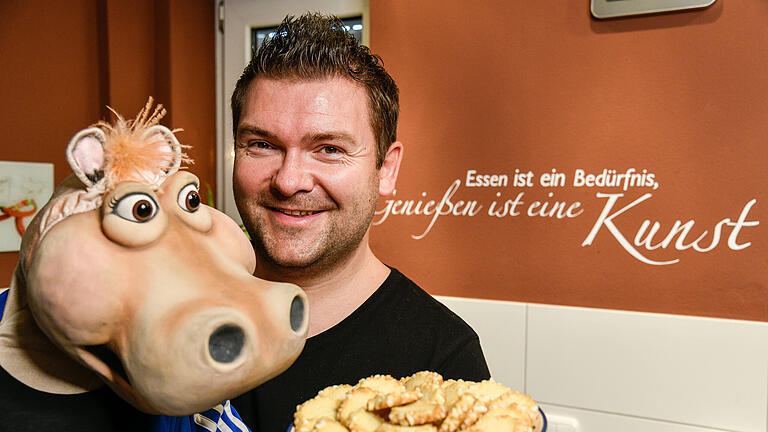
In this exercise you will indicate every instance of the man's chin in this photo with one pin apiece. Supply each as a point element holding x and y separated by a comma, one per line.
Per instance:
<point>297,272</point>
<point>292,267</point>
<point>290,261</point>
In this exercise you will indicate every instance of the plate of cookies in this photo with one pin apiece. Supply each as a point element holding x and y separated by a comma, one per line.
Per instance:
<point>422,402</point>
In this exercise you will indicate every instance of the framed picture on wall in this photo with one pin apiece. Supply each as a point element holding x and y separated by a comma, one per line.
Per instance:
<point>618,8</point>
<point>24,188</point>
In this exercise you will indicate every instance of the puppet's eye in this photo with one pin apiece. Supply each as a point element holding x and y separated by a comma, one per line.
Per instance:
<point>136,207</point>
<point>189,198</point>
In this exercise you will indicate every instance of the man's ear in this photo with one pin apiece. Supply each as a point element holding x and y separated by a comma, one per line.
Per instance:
<point>389,169</point>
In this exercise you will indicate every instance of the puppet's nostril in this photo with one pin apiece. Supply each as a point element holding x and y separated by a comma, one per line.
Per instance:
<point>297,313</point>
<point>225,343</point>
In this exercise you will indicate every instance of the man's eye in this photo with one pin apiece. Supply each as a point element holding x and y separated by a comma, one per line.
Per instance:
<point>261,145</point>
<point>331,150</point>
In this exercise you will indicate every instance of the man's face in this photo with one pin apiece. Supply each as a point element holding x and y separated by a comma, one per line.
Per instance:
<point>305,177</point>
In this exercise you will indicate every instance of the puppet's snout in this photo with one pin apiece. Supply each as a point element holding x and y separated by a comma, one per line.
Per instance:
<point>184,349</point>
<point>226,342</point>
<point>298,308</point>
<point>222,338</point>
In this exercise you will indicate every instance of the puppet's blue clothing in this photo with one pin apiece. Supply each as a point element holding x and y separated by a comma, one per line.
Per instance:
<point>3,299</point>
<point>221,418</point>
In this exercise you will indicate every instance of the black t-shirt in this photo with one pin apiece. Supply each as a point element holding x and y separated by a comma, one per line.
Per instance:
<point>399,330</point>
<point>23,408</point>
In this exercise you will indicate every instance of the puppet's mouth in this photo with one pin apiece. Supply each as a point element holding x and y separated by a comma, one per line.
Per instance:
<point>103,360</point>
<point>112,365</point>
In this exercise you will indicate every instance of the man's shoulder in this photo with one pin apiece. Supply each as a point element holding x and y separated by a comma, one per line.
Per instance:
<point>422,324</point>
<point>413,302</point>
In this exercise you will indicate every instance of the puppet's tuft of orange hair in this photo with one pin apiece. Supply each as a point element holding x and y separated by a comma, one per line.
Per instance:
<point>131,154</point>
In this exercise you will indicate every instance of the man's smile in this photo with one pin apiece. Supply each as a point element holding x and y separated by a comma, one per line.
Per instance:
<point>294,215</point>
<point>296,212</point>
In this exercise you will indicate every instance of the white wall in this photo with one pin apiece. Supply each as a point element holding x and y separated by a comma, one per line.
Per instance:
<point>607,371</point>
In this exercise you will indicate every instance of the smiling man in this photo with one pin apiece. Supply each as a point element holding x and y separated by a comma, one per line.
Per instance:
<point>315,120</point>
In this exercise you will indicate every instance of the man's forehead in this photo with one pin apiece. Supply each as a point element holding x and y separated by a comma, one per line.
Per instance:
<point>320,89</point>
<point>334,102</point>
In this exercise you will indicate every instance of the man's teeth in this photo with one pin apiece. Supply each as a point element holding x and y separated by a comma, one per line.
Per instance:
<point>297,212</point>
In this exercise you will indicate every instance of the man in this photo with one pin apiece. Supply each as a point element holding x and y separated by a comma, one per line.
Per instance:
<point>314,119</point>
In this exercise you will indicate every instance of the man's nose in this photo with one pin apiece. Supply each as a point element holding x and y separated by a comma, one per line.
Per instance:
<point>293,176</point>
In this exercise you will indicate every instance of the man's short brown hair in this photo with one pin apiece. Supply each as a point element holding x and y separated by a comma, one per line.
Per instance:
<point>315,46</point>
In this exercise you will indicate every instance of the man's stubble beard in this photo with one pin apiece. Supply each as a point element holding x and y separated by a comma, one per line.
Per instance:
<point>320,256</point>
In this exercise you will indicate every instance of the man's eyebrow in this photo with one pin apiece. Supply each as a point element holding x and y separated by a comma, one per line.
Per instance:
<point>255,130</point>
<point>332,136</point>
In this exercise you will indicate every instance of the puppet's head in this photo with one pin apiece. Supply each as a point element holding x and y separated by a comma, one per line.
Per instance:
<point>141,285</point>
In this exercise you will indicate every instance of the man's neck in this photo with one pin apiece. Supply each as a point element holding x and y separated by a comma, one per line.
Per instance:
<point>337,292</point>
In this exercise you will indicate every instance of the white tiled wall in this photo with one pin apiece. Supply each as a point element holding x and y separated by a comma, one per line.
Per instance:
<point>606,371</point>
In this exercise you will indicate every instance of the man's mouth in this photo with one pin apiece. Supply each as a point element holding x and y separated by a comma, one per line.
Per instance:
<point>297,213</point>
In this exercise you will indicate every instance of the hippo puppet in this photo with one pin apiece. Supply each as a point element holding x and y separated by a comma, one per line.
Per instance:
<point>125,277</point>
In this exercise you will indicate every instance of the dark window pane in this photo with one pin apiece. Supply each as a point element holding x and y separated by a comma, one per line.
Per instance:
<point>353,25</point>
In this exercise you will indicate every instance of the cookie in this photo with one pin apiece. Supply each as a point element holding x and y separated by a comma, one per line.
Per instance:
<point>517,401</point>
<point>453,390</point>
<point>389,400</point>
<point>487,390</point>
<point>417,413</point>
<point>422,378</point>
<point>304,425</point>
<point>355,399</point>
<point>458,413</point>
<point>474,413</point>
<point>327,424</point>
<point>314,408</point>
<point>382,384</point>
<point>336,392</point>
<point>520,416</point>
<point>363,421</point>
<point>387,427</point>
<point>498,423</point>
<point>433,394</point>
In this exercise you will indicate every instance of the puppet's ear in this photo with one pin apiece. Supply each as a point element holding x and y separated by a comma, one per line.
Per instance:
<point>85,154</point>
<point>172,146</point>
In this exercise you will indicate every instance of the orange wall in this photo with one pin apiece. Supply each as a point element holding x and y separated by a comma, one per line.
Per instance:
<point>496,87</point>
<point>63,62</point>
<point>503,86</point>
